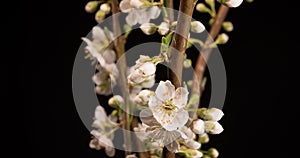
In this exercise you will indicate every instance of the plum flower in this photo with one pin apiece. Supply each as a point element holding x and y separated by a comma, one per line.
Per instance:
<point>143,73</point>
<point>101,139</point>
<point>167,106</point>
<point>98,48</point>
<point>138,11</point>
<point>105,79</point>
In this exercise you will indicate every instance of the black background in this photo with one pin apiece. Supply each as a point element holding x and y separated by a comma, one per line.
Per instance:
<point>46,36</point>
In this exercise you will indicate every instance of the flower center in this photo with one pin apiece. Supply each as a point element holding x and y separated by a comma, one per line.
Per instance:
<point>168,106</point>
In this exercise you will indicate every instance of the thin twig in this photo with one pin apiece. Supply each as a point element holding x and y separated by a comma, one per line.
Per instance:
<point>119,45</point>
<point>205,53</point>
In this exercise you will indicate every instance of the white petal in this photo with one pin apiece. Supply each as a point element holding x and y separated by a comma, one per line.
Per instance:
<point>180,119</point>
<point>165,90</point>
<point>99,78</point>
<point>214,114</point>
<point>125,6</point>
<point>154,12</point>
<point>163,28</point>
<point>136,76</point>
<point>87,41</point>
<point>190,143</point>
<point>234,3</point>
<point>148,68</point>
<point>187,131</point>
<point>173,147</point>
<point>146,117</point>
<point>181,97</point>
<point>109,56</point>
<point>98,34</point>
<point>131,18</point>
<point>100,114</point>
<point>198,126</point>
<point>149,82</point>
<point>136,3</point>
<point>198,154</point>
<point>213,127</point>
<point>142,15</point>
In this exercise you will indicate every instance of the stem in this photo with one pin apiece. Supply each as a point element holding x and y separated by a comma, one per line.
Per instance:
<point>205,53</point>
<point>179,41</point>
<point>178,47</point>
<point>119,45</point>
<point>170,7</point>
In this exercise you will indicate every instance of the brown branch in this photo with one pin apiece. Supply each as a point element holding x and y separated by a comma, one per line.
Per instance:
<point>119,45</point>
<point>179,40</point>
<point>170,9</point>
<point>205,53</point>
<point>178,47</point>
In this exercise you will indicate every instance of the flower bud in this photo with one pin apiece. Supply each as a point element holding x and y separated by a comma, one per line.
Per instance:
<point>91,6</point>
<point>197,27</point>
<point>214,114</point>
<point>116,101</point>
<point>249,1</point>
<point>136,3</point>
<point>231,3</point>
<point>192,144</point>
<point>211,21</point>
<point>213,152</point>
<point>198,126</point>
<point>227,26</point>
<point>148,28</point>
<point>105,7</point>
<point>210,2</point>
<point>187,63</point>
<point>202,112</point>
<point>202,8</point>
<point>206,156</point>
<point>99,16</point>
<point>222,39</point>
<point>203,138</point>
<point>163,28</point>
<point>213,127</point>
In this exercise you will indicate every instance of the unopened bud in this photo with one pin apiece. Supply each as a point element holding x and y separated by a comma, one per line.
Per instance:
<point>187,63</point>
<point>222,39</point>
<point>116,101</point>
<point>99,16</point>
<point>197,27</point>
<point>163,28</point>
<point>91,6</point>
<point>214,114</point>
<point>206,156</point>
<point>136,3</point>
<point>198,126</point>
<point>211,21</point>
<point>213,152</point>
<point>202,8</point>
<point>105,7</point>
<point>249,1</point>
<point>213,127</point>
<point>227,26</point>
<point>231,3</point>
<point>203,138</point>
<point>210,2</point>
<point>148,28</point>
<point>202,112</point>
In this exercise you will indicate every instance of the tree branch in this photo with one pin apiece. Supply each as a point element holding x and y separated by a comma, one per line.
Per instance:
<point>205,53</point>
<point>179,40</point>
<point>178,47</point>
<point>119,45</point>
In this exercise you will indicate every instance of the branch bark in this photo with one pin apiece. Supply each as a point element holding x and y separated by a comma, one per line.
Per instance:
<point>119,45</point>
<point>178,47</point>
<point>205,53</point>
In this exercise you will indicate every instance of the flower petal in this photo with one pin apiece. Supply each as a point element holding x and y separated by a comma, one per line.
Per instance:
<point>180,119</point>
<point>149,82</point>
<point>154,12</point>
<point>148,68</point>
<point>109,56</point>
<point>190,143</point>
<point>165,90</point>
<point>181,97</point>
<point>147,118</point>
<point>173,147</point>
<point>131,18</point>
<point>125,6</point>
<point>100,113</point>
<point>98,34</point>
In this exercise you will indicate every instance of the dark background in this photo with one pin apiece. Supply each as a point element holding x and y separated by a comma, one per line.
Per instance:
<point>46,36</point>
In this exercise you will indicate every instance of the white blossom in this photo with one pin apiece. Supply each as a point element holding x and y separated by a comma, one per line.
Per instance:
<point>214,114</point>
<point>101,139</point>
<point>138,12</point>
<point>143,97</point>
<point>167,106</point>
<point>105,7</point>
<point>105,79</point>
<point>143,73</point>
<point>148,28</point>
<point>197,154</point>
<point>198,126</point>
<point>233,3</point>
<point>197,27</point>
<point>163,28</point>
<point>213,127</point>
